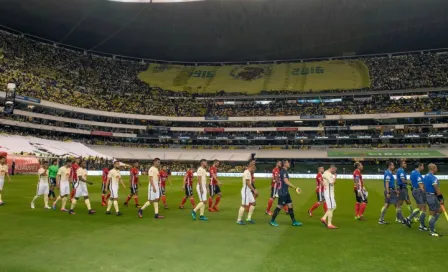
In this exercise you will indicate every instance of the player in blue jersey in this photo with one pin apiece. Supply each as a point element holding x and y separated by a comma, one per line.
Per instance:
<point>434,198</point>
<point>391,194</point>
<point>403,182</point>
<point>284,198</point>
<point>418,192</point>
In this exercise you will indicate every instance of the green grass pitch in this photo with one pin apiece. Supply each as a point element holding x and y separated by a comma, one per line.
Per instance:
<point>41,240</point>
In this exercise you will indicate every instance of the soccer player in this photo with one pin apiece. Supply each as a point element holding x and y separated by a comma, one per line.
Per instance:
<point>201,189</point>
<point>360,192</point>
<point>214,188</point>
<point>188,187</point>
<point>284,198</point>
<point>134,183</point>
<point>329,179</point>
<point>63,179</point>
<point>113,180</point>
<point>402,182</point>
<point>81,189</point>
<point>74,170</point>
<point>434,198</point>
<point>153,190</point>
<point>418,192</point>
<point>105,191</point>
<point>248,198</point>
<point>319,192</point>
<point>274,186</point>
<point>390,194</point>
<point>163,180</point>
<point>3,174</point>
<point>52,173</point>
<point>42,185</point>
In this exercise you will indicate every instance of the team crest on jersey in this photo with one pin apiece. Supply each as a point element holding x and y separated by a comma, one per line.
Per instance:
<point>249,73</point>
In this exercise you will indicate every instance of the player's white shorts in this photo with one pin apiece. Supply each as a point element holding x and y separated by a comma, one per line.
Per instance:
<point>247,197</point>
<point>64,188</point>
<point>2,182</point>
<point>114,191</point>
<point>153,195</point>
<point>203,196</point>
<point>42,188</point>
<point>329,198</point>
<point>81,189</point>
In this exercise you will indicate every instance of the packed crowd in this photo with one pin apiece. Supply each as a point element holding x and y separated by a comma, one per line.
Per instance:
<point>80,79</point>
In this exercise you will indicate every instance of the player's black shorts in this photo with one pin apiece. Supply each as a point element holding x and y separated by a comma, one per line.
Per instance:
<point>214,189</point>
<point>274,192</point>
<point>104,189</point>
<point>188,190</point>
<point>320,196</point>
<point>53,181</point>
<point>360,198</point>
<point>162,190</point>
<point>134,189</point>
<point>284,199</point>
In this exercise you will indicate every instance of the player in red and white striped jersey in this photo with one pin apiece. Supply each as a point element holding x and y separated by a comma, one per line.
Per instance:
<point>274,186</point>
<point>360,192</point>
<point>188,187</point>
<point>134,183</point>
<point>319,191</point>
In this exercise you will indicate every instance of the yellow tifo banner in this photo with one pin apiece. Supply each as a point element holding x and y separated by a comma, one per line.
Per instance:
<point>253,78</point>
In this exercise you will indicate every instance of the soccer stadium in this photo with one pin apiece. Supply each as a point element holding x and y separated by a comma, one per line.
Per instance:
<point>217,135</point>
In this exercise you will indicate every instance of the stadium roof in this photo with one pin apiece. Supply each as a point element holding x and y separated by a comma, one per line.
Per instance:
<point>234,30</point>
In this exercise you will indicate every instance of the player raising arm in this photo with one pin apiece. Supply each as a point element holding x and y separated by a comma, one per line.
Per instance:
<point>418,192</point>
<point>248,199</point>
<point>214,188</point>
<point>329,179</point>
<point>284,198</point>
<point>42,185</point>
<point>201,189</point>
<point>3,174</point>
<point>319,192</point>
<point>360,192</point>
<point>81,189</point>
<point>153,190</point>
<point>434,198</point>
<point>113,180</point>
<point>188,187</point>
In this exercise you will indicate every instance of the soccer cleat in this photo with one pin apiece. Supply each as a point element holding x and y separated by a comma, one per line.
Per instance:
<point>361,218</point>
<point>297,224</point>
<point>138,206</point>
<point>32,205</point>
<point>92,212</point>
<point>166,207</point>
<point>240,222</point>
<point>158,216</point>
<point>64,210</point>
<point>273,223</point>
<point>53,206</point>
<point>250,221</point>
<point>215,209</point>
<point>211,210</point>
<point>126,204</point>
<point>269,213</point>
<point>103,204</point>
<point>181,207</point>
<point>119,213</point>
<point>310,213</point>
<point>382,222</point>
<point>332,227</point>
<point>435,234</point>
<point>323,222</point>
<point>422,228</point>
<point>71,212</point>
<point>47,208</point>
<point>108,213</point>
<point>407,222</point>
<point>203,218</point>
<point>193,214</point>
<point>357,217</point>
<point>140,213</point>
<point>2,203</point>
